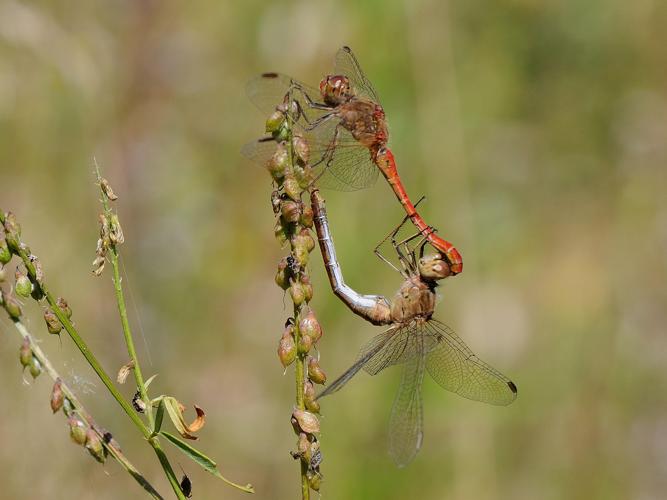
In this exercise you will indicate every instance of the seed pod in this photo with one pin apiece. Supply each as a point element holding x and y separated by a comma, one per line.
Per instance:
<point>309,397</point>
<point>280,232</point>
<point>12,306</point>
<point>5,254</point>
<point>314,480</point>
<point>297,293</point>
<point>301,255</point>
<point>25,353</point>
<point>304,344</point>
<point>278,163</point>
<point>64,307</point>
<point>35,367</point>
<point>291,211</point>
<point>303,238</point>
<point>106,189</point>
<point>287,347</point>
<point>303,447</point>
<point>309,326</point>
<point>68,407</point>
<point>53,324</point>
<point>274,122</point>
<point>77,430</point>
<point>116,231</point>
<point>307,287</point>
<point>283,274</point>
<point>12,233</point>
<point>301,148</point>
<point>307,421</point>
<point>315,372</point>
<point>94,445</point>
<point>292,188</point>
<point>57,397</point>
<point>3,273</point>
<point>23,286</point>
<point>307,216</point>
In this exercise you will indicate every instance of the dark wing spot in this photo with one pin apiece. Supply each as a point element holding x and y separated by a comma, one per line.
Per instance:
<point>346,48</point>
<point>269,75</point>
<point>512,387</point>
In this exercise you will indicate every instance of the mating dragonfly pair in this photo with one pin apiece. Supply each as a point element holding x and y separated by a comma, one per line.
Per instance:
<point>345,128</point>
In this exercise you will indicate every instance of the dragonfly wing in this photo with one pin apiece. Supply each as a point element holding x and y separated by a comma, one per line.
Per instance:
<point>456,368</point>
<point>406,420</point>
<point>367,353</point>
<point>260,151</point>
<point>341,162</point>
<point>346,64</point>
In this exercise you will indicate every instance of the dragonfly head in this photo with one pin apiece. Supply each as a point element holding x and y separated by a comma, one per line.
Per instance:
<point>433,267</point>
<point>336,89</point>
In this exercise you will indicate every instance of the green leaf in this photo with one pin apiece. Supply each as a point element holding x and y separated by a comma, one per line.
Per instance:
<point>159,415</point>
<point>203,461</point>
<point>174,410</point>
<point>148,382</point>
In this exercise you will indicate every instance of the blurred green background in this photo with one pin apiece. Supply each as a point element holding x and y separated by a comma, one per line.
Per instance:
<point>538,132</point>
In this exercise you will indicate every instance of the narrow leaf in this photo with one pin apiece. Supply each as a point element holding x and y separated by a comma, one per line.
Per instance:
<point>203,461</point>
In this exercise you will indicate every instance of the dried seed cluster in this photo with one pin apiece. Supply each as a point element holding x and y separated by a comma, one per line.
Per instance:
<point>29,282</point>
<point>292,176</point>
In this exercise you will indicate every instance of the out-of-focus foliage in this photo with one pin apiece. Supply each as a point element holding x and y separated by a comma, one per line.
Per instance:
<point>537,130</point>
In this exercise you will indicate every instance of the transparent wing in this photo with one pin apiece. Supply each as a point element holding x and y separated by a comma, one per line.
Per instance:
<point>260,151</point>
<point>456,368</point>
<point>406,420</point>
<point>268,90</point>
<point>371,349</point>
<point>404,345</point>
<point>346,64</point>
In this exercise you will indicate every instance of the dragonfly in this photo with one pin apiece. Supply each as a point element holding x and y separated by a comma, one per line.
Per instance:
<point>346,128</point>
<point>413,339</point>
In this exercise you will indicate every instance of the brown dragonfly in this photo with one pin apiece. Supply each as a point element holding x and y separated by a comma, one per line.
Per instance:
<point>413,339</point>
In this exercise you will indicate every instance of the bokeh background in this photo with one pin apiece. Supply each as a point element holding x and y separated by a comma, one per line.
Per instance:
<point>538,132</point>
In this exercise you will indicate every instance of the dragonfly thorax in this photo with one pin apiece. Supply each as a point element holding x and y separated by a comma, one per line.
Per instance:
<point>415,299</point>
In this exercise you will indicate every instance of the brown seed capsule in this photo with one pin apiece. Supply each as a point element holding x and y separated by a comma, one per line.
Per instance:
<point>291,211</point>
<point>5,254</point>
<point>277,165</point>
<point>315,372</point>
<point>12,306</point>
<point>64,307</point>
<point>106,189</point>
<point>303,447</point>
<point>12,232</point>
<point>287,347</point>
<point>307,421</point>
<point>309,397</point>
<point>53,324</point>
<point>307,216</point>
<point>57,397</point>
<point>297,293</point>
<point>307,287</point>
<point>301,255</point>
<point>304,345</point>
<point>94,445</point>
<point>283,274</point>
<point>304,239</point>
<point>23,287</point>
<point>301,148</point>
<point>25,353</point>
<point>292,188</point>
<point>116,231</point>
<point>309,326</point>
<point>77,430</point>
<point>35,367</point>
<point>274,122</point>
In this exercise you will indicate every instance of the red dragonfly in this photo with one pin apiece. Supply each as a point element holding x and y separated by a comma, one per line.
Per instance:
<point>346,130</point>
<point>414,339</point>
